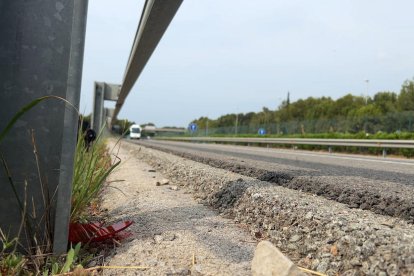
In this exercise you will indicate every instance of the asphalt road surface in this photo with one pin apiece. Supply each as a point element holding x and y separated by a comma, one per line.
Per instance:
<point>382,185</point>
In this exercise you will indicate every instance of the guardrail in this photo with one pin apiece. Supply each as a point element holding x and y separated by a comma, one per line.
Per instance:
<point>369,143</point>
<point>155,19</point>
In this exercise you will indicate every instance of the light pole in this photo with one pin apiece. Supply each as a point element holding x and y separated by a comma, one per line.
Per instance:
<point>237,121</point>
<point>207,127</point>
<point>366,103</point>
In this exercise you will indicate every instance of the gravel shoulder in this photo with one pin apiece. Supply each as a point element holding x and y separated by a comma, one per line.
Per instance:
<point>172,233</point>
<point>315,232</point>
<point>378,189</point>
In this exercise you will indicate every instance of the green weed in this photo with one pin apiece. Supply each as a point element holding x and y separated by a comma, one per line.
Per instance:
<point>91,169</point>
<point>92,166</point>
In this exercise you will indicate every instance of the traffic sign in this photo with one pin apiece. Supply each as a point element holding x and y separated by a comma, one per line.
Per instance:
<point>261,131</point>
<point>193,127</point>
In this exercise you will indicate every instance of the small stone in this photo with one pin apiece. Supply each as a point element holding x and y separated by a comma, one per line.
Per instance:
<point>158,238</point>
<point>295,238</point>
<point>355,262</point>
<point>309,215</point>
<point>326,255</point>
<point>152,262</point>
<point>268,260</point>
<point>334,250</point>
<point>315,263</point>
<point>393,269</point>
<point>256,196</point>
<point>182,272</point>
<point>323,266</point>
<point>258,235</point>
<point>388,223</point>
<point>174,188</point>
<point>92,264</point>
<point>292,247</point>
<point>164,181</point>
<point>158,183</point>
<point>151,170</point>
<point>169,237</point>
<point>198,268</point>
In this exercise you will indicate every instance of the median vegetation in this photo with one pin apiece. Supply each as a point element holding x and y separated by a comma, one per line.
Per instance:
<point>385,112</point>
<point>386,115</point>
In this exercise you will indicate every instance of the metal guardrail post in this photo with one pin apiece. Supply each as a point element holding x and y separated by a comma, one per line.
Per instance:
<point>70,126</point>
<point>109,113</point>
<point>98,106</point>
<point>102,92</point>
<point>41,50</point>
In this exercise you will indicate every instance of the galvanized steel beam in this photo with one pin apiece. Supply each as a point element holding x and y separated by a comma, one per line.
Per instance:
<point>111,92</point>
<point>369,143</point>
<point>155,18</point>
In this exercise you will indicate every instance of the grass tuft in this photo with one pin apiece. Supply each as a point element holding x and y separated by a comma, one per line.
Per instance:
<point>92,166</point>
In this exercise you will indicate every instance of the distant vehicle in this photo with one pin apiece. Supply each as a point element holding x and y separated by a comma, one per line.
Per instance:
<point>148,131</point>
<point>135,132</point>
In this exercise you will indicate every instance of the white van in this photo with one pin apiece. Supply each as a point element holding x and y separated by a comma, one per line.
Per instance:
<point>135,132</point>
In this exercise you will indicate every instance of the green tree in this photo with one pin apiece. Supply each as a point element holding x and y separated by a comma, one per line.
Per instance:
<point>406,97</point>
<point>386,102</point>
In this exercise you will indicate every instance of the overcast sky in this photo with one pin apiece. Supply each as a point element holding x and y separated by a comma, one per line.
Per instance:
<point>225,56</point>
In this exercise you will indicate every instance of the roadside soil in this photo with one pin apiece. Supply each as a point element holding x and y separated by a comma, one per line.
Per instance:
<point>172,233</point>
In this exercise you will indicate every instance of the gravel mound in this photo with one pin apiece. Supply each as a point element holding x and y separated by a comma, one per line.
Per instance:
<point>172,234</point>
<point>396,200</point>
<point>315,232</point>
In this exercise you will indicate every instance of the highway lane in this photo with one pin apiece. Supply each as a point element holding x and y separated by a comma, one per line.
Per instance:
<point>304,162</point>
<point>385,186</point>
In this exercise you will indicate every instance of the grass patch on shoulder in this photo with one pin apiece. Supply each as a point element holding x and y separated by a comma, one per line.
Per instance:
<point>93,165</point>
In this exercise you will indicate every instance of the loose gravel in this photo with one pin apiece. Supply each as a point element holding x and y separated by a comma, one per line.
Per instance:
<point>381,197</point>
<point>315,232</point>
<point>172,233</point>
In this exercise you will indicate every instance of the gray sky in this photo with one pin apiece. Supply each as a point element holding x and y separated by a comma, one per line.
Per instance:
<point>225,56</point>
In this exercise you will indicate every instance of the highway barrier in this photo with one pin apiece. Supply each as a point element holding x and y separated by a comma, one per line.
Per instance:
<point>368,143</point>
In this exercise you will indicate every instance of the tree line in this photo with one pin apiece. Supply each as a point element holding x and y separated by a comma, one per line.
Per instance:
<point>386,111</point>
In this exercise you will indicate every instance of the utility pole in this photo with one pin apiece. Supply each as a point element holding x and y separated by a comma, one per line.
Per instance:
<point>237,121</point>
<point>366,96</point>
<point>288,99</point>
<point>366,103</point>
<point>207,127</point>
